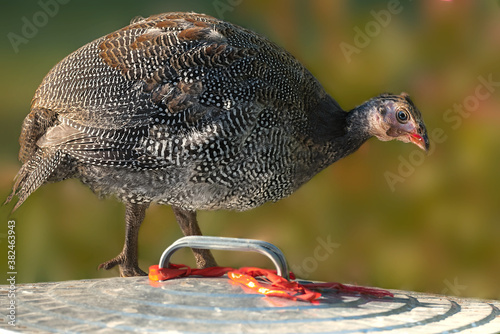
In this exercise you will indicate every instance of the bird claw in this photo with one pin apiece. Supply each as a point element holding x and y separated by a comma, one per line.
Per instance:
<point>127,269</point>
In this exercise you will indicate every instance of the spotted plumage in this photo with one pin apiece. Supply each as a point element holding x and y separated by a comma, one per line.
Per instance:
<point>187,110</point>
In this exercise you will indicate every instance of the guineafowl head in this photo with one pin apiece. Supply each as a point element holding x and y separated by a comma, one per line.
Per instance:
<point>396,117</point>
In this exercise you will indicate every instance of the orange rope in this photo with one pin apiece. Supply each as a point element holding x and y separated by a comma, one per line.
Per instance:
<point>276,286</point>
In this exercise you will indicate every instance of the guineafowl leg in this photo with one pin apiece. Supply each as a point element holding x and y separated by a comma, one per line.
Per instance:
<point>189,226</point>
<point>127,259</point>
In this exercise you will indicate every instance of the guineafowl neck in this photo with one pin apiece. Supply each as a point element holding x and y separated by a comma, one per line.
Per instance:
<point>358,124</point>
<point>336,133</point>
<point>356,132</point>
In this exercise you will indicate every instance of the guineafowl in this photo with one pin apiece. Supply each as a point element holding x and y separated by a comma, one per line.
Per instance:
<point>190,111</point>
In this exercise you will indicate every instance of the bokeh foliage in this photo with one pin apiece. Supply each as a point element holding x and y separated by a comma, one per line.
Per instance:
<point>440,224</point>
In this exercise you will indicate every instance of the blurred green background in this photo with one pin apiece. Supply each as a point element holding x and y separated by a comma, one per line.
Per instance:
<point>434,226</point>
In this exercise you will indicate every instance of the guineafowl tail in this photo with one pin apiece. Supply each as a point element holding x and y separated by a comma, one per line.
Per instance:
<point>33,174</point>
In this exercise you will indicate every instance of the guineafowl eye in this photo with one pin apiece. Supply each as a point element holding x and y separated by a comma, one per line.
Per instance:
<point>403,116</point>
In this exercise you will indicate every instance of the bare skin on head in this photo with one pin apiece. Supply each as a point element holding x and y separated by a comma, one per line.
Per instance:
<point>399,119</point>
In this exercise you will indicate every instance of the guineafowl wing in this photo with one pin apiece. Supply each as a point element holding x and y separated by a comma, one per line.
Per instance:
<point>172,84</point>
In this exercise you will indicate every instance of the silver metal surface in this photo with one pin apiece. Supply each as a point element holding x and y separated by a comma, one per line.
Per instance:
<point>229,244</point>
<point>215,305</point>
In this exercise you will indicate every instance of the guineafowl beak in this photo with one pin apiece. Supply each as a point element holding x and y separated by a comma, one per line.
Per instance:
<point>421,141</point>
<point>419,136</point>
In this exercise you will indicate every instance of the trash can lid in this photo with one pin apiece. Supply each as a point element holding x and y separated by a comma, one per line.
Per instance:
<point>214,305</point>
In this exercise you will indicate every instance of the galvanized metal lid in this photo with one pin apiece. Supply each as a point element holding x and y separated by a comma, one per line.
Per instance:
<point>214,305</point>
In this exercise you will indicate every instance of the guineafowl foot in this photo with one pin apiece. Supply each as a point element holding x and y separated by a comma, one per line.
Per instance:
<point>127,269</point>
<point>127,259</point>
<point>204,258</point>
<point>189,226</point>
